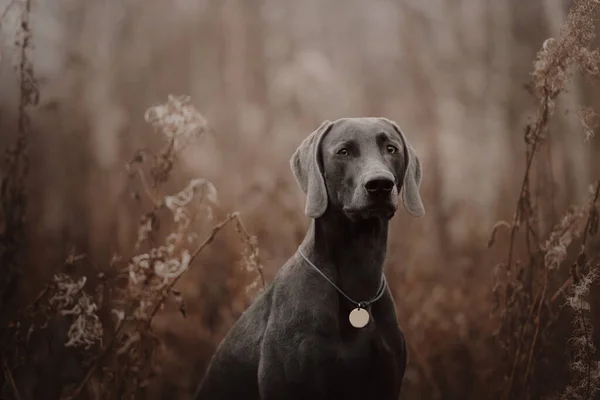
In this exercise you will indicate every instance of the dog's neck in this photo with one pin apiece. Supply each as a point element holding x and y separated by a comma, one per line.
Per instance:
<point>352,253</point>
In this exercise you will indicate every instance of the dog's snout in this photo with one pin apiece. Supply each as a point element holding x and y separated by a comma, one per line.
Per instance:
<point>379,184</point>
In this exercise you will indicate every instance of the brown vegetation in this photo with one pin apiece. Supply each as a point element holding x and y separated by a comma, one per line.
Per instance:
<point>134,229</point>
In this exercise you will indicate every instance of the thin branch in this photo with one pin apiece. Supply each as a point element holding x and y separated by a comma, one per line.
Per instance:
<point>248,239</point>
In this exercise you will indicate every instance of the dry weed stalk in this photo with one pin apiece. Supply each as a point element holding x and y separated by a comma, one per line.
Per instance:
<point>13,203</point>
<point>110,316</point>
<point>161,259</point>
<point>13,200</point>
<point>525,312</point>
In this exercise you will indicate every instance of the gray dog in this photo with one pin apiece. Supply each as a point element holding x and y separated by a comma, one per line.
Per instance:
<point>326,327</point>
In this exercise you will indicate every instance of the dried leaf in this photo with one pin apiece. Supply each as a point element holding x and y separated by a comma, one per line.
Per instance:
<point>495,228</point>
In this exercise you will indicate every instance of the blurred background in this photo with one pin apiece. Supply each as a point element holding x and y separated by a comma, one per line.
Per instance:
<point>265,73</point>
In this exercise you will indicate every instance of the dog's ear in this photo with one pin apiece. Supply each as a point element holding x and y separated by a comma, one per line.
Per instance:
<point>307,171</point>
<point>411,178</point>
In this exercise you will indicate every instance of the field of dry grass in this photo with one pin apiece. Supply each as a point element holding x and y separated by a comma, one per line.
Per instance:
<point>146,196</point>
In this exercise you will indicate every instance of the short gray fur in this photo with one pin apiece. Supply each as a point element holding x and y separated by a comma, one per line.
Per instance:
<point>295,340</point>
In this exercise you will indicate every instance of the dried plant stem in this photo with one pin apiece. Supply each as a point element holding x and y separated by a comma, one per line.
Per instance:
<point>194,254</point>
<point>211,236</point>
<point>537,326</point>
<point>12,380</point>
<point>13,199</point>
<point>535,132</point>
<point>247,239</point>
<point>533,139</point>
<point>521,341</point>
<point>27,85</point>
<point>12,184</point>
<point>561,290</point>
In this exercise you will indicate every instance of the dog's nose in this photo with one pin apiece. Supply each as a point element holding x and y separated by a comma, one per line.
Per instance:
<point>379,184</point>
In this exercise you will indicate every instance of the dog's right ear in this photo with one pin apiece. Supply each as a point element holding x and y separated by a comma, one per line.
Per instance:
<point>307,171</point>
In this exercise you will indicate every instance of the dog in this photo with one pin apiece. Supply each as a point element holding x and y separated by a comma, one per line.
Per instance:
<point>326,327</point>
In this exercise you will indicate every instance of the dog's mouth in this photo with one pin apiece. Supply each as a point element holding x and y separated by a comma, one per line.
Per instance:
<point>380,211</point>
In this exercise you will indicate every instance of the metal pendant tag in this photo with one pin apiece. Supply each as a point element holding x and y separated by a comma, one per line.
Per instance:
<point>359,317</point>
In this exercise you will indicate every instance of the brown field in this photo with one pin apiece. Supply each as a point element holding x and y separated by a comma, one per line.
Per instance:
<point>147,198</point>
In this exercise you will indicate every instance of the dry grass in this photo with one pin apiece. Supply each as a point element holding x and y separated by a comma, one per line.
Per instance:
<point>143,322</point>
<point>528,315</point>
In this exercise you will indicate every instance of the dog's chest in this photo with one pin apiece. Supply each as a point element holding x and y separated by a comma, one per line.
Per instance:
<point>366,364</point>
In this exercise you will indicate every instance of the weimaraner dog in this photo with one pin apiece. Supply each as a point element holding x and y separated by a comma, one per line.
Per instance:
<point>326,327</point>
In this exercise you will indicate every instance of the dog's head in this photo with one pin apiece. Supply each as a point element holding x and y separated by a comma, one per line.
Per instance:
<point>358,166</point>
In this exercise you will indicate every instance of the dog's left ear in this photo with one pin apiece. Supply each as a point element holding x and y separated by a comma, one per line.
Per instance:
<point>307,171</point>
<point>411,178</point>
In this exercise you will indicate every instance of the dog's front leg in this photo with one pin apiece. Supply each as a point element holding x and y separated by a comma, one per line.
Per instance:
<point>295,368</point>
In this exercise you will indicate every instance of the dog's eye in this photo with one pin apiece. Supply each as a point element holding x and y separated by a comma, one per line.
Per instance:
<point>392,149</point>
<point>343,152</point>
